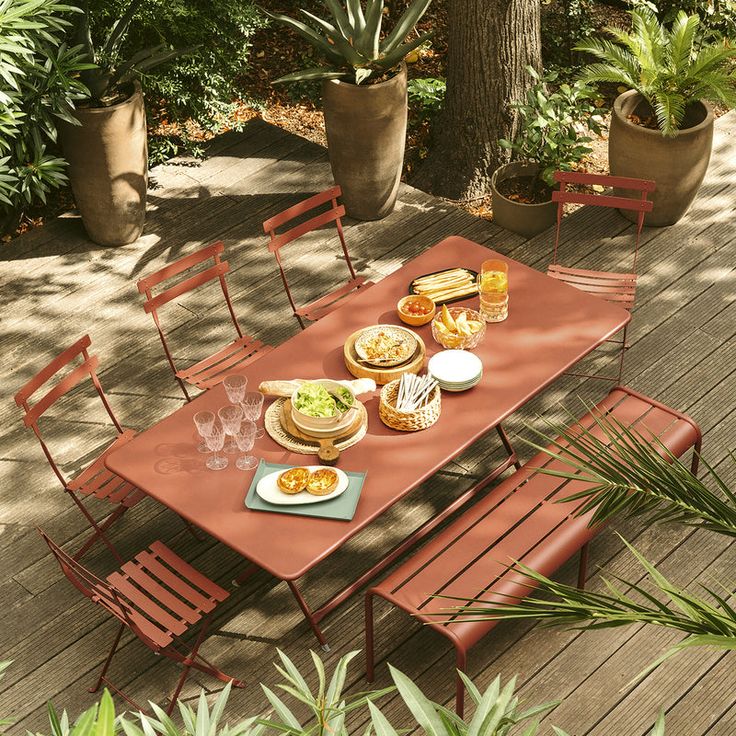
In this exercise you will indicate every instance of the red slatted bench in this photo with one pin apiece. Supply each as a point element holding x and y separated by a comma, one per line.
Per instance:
<point>517,520</point>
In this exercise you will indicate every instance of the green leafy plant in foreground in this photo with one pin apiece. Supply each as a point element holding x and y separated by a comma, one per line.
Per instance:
<point>428,94</point>
<point>553,126</point>
<point>629,474</point>
<point>351,41</point>
<point>669,66</point>
<point>496,711</point>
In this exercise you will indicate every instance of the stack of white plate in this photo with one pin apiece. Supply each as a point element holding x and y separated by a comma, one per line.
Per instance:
<point>456,370</point>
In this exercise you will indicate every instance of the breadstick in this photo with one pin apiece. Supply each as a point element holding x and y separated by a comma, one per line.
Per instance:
<point>446,294</point>
<point>444,276</point>
<point>443,284</point>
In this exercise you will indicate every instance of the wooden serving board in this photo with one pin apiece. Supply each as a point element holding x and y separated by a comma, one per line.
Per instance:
<point>324,444</point>
<point>382,376</point>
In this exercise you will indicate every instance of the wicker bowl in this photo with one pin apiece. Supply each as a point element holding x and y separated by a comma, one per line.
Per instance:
<point>413,421</point>
<point>460,342</point>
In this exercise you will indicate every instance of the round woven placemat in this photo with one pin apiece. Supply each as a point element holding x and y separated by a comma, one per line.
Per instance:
<point>272,423</point>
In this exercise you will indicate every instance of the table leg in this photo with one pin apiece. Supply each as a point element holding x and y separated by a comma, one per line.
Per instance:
<point>311,618</point>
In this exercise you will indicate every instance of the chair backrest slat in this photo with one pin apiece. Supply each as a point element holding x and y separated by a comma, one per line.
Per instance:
<point>620,182</point>
<point>153,302</point>
<point>177,267</point>
<point>603,200</point>
<point>312,224</point>
<point>87,369</point>
<point>213,272</point>
<point>30,387</point>
<point>640,204</point>
<point>301,208</point>
<point>66,384</point>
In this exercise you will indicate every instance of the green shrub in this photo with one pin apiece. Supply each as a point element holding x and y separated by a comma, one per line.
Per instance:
<point>720,15</point>
<point>427,94</point>
<point>40,84</point>
<point>202,84</point>
<point>565,23</point>
<point>552,126</point>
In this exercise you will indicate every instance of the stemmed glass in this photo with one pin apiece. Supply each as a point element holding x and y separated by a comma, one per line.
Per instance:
<point>235,388</point>
<point>204,421</point>
<point>252,406</point>
<point>231,417</point>
<point>215,441</point>
<point>245,440</point>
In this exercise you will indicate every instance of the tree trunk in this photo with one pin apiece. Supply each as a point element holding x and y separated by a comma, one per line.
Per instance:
<point>490,42</point>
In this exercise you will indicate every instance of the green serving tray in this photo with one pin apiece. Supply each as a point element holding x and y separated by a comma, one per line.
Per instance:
<point>341,508</point>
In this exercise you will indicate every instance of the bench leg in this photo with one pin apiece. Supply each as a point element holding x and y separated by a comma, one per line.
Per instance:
<point>583,568</point>
<point>506,442</point>
<point>369,656</point>
<point>461,662</point>
<point>696,457</point>
<point>311,618</point>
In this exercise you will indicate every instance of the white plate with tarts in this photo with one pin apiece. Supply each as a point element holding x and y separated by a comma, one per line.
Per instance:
<point>270,492</point>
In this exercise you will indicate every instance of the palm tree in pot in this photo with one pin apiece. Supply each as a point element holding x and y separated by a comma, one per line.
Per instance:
<point>364,94</point>
<point>662,128</point>
<point>108,151</point>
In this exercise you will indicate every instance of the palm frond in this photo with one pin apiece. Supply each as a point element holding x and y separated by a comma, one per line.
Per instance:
<point>682,38</point>
<point>669,107</point>
<point>622,602</point>
<point>621,471</point>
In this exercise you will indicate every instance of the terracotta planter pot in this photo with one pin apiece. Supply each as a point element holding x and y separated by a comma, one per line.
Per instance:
<point>677,165</point>
<point>525,219</point>
<point>366,135</point>
<point>108,169</point>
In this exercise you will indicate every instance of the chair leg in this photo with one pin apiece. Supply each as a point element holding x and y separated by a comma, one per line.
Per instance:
<point>100,529</point>
<point>696,457</point>
<point>369,654</point>
<point>307,611</point>
<point>623,355</point>
<point>106,666</point>
<point>583,567</point>
<point>461,662</point>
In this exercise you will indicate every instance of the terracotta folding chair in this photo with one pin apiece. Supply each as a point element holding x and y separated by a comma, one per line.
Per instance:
<point>159,597</point>
<point>234,356</point>
<point>324,305</point>
<point>95,481</point>
<point>618,288</point>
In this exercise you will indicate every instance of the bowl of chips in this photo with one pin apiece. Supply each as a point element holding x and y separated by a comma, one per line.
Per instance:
<point>458,328</point>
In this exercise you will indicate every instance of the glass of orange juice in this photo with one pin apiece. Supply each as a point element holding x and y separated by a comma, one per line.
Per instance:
<point>493,288</point>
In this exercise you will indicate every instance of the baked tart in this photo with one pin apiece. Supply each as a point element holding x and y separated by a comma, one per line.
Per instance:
<point>293,480</point>
<point>322,482</point>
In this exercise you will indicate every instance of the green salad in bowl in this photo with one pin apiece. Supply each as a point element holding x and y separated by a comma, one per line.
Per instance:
<point>321,405</point>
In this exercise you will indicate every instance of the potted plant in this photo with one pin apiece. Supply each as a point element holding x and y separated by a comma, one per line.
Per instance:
<point>108,151</point>
<point>551,136</point>
<point>364,94</point>
<point>662,128</point>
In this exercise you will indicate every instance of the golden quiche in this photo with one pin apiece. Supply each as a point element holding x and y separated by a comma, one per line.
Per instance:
<point>293,480</point>
<point>322,482</point>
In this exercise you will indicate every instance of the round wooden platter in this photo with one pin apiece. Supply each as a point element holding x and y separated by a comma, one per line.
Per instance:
<point>327,452</point>
<point>382,376</point>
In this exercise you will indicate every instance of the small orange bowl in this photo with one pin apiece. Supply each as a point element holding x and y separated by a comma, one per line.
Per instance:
<point>416,319</point>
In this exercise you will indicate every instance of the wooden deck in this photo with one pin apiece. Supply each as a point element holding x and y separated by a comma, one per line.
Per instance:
<point>56,286</point>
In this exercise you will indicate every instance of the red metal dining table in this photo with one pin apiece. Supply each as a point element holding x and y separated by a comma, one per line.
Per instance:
<point>550,327</point>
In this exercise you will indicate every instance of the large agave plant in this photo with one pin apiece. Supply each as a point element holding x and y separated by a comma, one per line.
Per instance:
<point>351,41</point>
<point>669,67</point>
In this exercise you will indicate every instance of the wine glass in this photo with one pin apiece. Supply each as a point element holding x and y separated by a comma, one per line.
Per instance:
<point>235,388</point>
<point>245,440</point>
<point>231,416</point>
<point>252,406</point>
<point>215,441</point>
<point>204,421</point>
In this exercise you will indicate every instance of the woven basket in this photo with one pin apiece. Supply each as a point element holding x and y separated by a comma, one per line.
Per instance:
<point>413,421</point>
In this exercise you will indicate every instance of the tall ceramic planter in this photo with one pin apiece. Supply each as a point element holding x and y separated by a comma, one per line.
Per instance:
<point>677,165</point>
<point>108,168</point>
<point>518,217</point>
<point>366,135</point>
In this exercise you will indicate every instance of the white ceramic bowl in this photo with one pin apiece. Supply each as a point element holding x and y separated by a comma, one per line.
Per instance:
<point>322,424</point>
